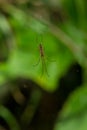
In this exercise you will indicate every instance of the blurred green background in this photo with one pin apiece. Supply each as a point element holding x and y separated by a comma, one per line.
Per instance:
<point>50,92</point>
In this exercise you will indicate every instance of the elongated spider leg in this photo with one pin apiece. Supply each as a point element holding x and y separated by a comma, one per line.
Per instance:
<point>50,60</point>
<point>37,62</point>
<point>44,67</point>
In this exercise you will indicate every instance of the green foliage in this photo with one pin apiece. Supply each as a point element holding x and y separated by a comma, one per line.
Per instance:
<point>63,45</point>
<point>9,118</point>
<point>74,114</point>
<point>22,59</point>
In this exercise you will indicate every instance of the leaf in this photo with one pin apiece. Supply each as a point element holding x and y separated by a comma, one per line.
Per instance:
<point>9,118</point>
<point>74,113</point>
<point>22,59</point>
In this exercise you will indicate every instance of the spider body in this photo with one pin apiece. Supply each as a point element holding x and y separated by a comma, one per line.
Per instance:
<point>41,50</point>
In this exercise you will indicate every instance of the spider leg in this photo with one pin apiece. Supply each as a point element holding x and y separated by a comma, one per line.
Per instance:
<point>37,62</point>
<point>50,60</point>
<point>44,67</point>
